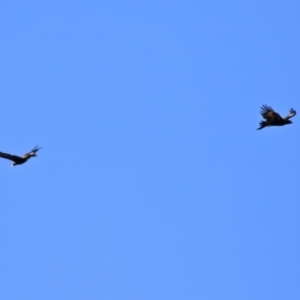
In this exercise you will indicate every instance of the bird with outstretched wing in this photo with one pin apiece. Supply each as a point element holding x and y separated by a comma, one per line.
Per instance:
<point>18,160</point>
<point>272,118</point>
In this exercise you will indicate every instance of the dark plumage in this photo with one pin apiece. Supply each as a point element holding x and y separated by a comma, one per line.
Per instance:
<point>273,118</point>
<point>18,160</point>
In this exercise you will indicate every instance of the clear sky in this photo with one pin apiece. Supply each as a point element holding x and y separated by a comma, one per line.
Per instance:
<point>153,182</point>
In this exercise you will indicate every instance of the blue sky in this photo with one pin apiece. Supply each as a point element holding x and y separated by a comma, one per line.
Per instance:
<point>153,182</point>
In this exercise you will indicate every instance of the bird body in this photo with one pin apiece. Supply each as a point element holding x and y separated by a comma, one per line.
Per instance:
<point>273,118</point>
<point>18,160</point>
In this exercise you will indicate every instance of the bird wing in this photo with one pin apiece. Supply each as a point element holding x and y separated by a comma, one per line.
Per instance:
<point>269,114</point>
<point>291,114</point>
<point>32,152</point>
<point>9,156</point>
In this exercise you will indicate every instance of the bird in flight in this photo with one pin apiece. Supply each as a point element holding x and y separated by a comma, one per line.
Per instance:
<point>18,160</point>
<point>272,118</point>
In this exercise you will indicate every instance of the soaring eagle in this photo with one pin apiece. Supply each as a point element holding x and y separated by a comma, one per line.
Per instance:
<point>273,118</point>
<point>18,160</point>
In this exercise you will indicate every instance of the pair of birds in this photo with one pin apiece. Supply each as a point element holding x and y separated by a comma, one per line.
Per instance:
<point>271,117</point>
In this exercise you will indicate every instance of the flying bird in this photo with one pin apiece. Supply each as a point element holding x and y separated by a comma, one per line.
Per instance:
<point>18,160</point>
<point>273,118</point>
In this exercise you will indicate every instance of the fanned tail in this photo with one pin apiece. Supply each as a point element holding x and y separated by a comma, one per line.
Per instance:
<point>262,124</point>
